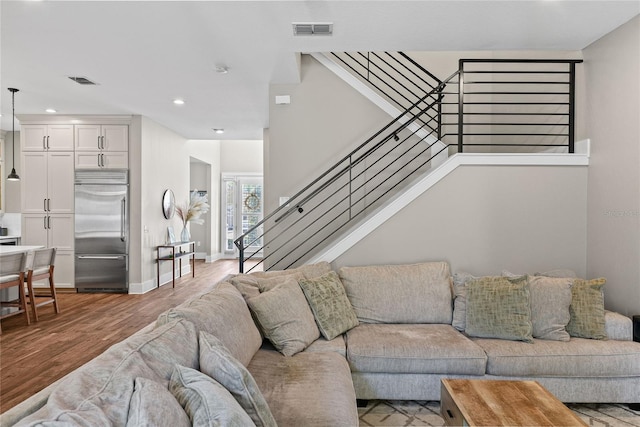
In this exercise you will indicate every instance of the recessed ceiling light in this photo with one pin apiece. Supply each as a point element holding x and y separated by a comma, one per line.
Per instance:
<point>50,110</point>
<point>178,101</point>
<point>221,69</point>
<point>218,130</point>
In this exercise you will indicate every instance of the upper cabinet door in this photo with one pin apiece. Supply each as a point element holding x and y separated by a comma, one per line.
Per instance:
<point>115,137</point>
<point>33,137</point>
<point>60,138</point>
<point>88,137</point>
<point>46,137</point>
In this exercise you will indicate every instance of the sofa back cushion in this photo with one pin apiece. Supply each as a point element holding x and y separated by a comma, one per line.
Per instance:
<point>224,314</point>
<point>100,392</point>
<point>416,293</point>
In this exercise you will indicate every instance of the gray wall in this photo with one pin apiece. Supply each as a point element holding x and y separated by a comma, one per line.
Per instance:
<point>480,219</point>
<point>485,219</point>
<point>324,122</point>
<point>613,77</point>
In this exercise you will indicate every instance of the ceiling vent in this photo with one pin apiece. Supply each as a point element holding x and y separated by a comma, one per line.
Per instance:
<point>82,80</point>
<point>312,29</point>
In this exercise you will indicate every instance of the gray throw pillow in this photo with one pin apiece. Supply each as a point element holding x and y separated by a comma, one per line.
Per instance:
<point>219,364</point>
<point>499,307</point>
<point>153,405</point>
<point>460,280</point>
<point>285,317</point>
<point>550,301</point>
<point>329,303</point>
<point>206,402</point>
<point>587,309</point>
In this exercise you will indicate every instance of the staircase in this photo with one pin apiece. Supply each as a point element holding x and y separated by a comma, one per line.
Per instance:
<point>486,106</point>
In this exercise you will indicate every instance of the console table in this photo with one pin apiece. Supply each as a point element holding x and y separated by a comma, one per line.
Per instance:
<point>173,251</point>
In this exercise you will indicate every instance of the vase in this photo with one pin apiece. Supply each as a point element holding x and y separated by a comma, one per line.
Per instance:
<point>185,236</point>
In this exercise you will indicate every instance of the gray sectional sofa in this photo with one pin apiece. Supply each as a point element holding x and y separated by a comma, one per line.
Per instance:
<point>299,347</point>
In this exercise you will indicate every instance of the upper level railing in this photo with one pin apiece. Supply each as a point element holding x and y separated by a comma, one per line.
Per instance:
<point>486,105</point>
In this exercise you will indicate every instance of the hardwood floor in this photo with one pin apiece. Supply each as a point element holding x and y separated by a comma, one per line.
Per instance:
<point>34,356</point>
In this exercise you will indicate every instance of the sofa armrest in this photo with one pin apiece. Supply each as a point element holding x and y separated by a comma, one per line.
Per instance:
<point>617,326</point>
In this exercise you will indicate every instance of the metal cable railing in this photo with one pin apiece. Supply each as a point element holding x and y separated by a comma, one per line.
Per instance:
<point>487,105</point>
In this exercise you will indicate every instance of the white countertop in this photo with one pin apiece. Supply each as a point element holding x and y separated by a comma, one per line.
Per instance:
<point>10,236</point>
<point>13,249</point>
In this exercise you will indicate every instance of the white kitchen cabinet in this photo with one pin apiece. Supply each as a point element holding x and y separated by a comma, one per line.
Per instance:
<point>102,160</point>
<point>50,230</point>
<point>47,182</point>
<point>58,137</point>
<point>99,138</point>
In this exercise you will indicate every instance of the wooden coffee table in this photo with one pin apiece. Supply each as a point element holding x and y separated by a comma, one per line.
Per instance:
<point>502,403</point>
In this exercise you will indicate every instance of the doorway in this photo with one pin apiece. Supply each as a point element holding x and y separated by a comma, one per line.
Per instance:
<point>242,208</point>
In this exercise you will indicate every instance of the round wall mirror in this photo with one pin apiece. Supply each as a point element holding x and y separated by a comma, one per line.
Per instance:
<point>168,204</point>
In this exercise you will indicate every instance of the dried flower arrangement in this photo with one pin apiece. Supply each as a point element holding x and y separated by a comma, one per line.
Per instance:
<point>191,211</point>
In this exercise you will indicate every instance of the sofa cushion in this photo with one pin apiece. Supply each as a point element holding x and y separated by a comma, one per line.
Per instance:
<point>152,404</point>
<point>308,389</point>
<point>213,312</point>
<point>499,307</point>
<point>329,303</point>
<point>417,293</point>
<point>285,317</point>
<point>587,309</point>
<point>99,392</point>
<point>219,364</point>
<point>415,349</point>
<point>336,345</point>
<point>205,400</point>
<point>578,357</point>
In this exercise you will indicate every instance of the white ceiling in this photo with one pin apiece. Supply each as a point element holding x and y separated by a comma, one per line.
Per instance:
<point>144,54</point>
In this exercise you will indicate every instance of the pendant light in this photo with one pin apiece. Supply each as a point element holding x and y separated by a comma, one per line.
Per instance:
<point>13,176</point>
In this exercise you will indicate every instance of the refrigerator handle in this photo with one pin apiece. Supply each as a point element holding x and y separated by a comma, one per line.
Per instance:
<point>123,214</point>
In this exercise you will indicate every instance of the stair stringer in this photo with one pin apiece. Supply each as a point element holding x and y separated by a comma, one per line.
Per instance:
<point>383,104</point>
<point>580,158</point>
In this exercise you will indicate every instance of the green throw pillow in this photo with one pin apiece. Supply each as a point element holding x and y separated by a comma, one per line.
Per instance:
<point>587,309</point>
<point>329,303</point>
<point>499,307</point>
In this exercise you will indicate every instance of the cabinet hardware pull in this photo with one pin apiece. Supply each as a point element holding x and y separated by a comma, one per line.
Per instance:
<point>45,222</point>
<point>102,142</point>
<point>44,204</point>
<point>44,142</point>
<point>123,216</point>
<point>48,222</point>
<point>47,142</point>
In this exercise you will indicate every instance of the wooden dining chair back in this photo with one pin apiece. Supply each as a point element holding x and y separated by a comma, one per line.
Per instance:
<point>12,273</point>
<point>41,268</point>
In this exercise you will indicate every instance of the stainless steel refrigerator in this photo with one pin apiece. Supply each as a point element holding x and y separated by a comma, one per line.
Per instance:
<point>102,230</point>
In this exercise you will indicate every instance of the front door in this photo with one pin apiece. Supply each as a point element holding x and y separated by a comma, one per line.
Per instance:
<point>242,209</point>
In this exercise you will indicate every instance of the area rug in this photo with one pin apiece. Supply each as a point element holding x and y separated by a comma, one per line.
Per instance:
<point>426,413</point>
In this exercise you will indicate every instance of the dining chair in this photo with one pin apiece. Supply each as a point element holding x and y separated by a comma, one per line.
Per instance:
<point>12,273</point>
<point>40,268</point>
